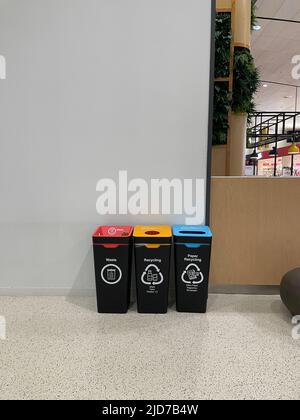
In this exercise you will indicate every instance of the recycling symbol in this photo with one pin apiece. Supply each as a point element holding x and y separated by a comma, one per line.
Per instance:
<point>152,276</point>
<point>192,275</point>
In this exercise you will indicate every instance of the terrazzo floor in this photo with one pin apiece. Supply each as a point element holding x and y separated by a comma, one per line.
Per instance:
<point>60,348</point>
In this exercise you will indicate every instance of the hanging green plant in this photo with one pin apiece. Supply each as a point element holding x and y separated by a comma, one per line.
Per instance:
<point>246,81</point>
<point>253,14</point>
<point>222,44</point>
<point>221,110</point>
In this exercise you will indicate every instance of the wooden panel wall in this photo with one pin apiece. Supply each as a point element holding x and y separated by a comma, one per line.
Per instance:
<point>256,230</point>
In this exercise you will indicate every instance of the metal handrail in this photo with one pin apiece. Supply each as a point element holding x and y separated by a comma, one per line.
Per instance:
<point>277,120</point>
<point>286,117</point>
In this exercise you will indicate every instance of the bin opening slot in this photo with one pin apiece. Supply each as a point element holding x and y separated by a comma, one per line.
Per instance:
<point>152,233</point>
<point>185,232</point>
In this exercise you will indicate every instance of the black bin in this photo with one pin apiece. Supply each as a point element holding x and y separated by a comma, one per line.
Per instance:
<point>152,266</point>
<point>112,258</point>
<point>192,264</point>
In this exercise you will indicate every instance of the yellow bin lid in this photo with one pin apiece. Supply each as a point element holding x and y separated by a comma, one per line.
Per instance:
<point>153,235</point>
<point>152,232</point>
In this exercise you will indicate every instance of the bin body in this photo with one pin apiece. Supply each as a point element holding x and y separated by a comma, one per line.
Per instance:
<point>152,268</point>
<point>192,264</point>
<point>113,260</point>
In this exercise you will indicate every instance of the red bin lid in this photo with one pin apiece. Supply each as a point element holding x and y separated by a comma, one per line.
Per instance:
<point>111,234</point>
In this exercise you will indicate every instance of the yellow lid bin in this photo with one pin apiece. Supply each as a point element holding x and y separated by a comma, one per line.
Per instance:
<point>152,232</point>
<point>152,267</point>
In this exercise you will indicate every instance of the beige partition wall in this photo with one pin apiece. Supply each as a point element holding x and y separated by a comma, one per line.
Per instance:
<point>256,230</point>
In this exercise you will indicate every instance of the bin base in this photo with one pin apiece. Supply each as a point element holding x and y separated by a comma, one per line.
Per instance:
<point>149,312</point>
<point>199,310</point>
<point>112,312</point>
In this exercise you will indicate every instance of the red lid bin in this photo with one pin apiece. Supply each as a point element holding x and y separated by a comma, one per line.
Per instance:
<point>112,259</point>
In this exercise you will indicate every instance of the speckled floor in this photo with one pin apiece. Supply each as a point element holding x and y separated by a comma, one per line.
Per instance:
<point>59,348</point>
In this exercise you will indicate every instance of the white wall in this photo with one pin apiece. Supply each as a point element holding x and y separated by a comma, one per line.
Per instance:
<point>93,87</point>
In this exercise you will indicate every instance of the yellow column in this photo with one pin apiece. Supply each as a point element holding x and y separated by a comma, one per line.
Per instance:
<point>238,122</point>
<point>224,5</point>
<point>242,23</point>
<point>238,132</point>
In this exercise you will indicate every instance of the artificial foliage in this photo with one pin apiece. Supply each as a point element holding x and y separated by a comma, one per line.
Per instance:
<point>223,38</point>
<point>246,81</point>
<point>221,111</point>
<point>253,14</point>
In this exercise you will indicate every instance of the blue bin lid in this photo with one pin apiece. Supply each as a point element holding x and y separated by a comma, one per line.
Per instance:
<point>184,231</point>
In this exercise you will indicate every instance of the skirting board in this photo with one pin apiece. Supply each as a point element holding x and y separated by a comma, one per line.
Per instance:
<point>47,292</point>
<point>244,290</point>
<point>229,289</point>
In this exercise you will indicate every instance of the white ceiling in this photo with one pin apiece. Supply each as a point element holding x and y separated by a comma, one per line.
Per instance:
<point>273,48</point>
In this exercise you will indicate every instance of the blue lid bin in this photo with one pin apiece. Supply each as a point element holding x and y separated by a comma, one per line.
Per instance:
<point>192,264</point>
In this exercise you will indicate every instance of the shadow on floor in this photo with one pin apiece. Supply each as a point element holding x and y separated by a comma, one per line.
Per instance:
<point>83,293</point>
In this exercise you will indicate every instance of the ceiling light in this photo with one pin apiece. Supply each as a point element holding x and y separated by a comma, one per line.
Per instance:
<point>256,28</point>
<point>265,85</point>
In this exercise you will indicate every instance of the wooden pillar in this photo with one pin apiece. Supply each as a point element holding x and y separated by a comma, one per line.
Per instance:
<point>241,27</point>
<point>224,5</point>
<point>238,132</point>
<point>242,24</point>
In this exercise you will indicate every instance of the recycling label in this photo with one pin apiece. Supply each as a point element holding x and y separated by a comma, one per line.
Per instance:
<point>152,276</point>
<point>192,275</point>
